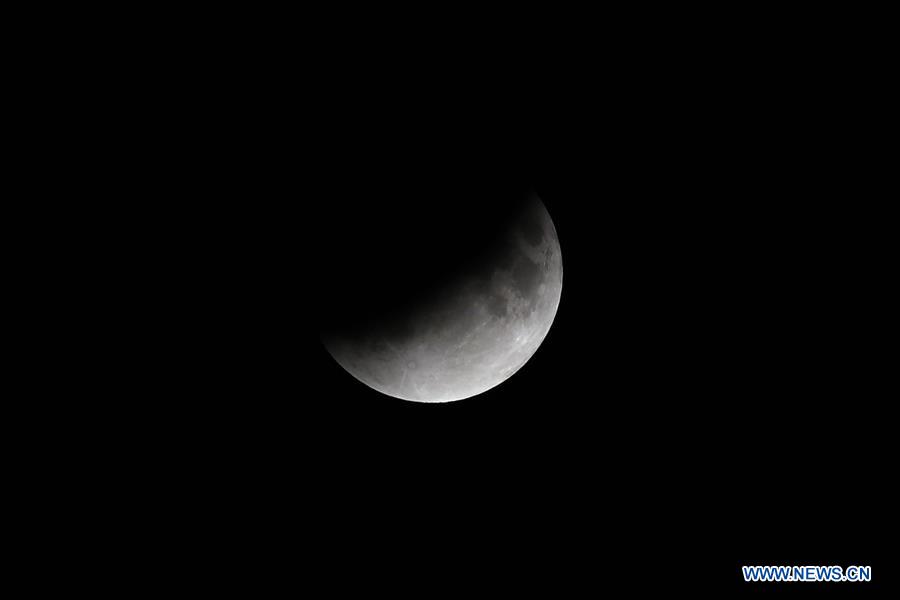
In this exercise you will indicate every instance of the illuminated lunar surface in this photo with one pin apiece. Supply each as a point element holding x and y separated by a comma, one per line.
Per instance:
<point>483,328</point>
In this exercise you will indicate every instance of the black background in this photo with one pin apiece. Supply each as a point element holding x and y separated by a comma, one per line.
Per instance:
<point>708,394</point>
<point>711,394</point>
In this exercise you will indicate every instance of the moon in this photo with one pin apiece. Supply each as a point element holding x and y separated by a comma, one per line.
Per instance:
<point>474,332</point>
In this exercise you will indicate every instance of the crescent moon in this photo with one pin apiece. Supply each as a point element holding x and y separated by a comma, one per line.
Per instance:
<point>486,326</point>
